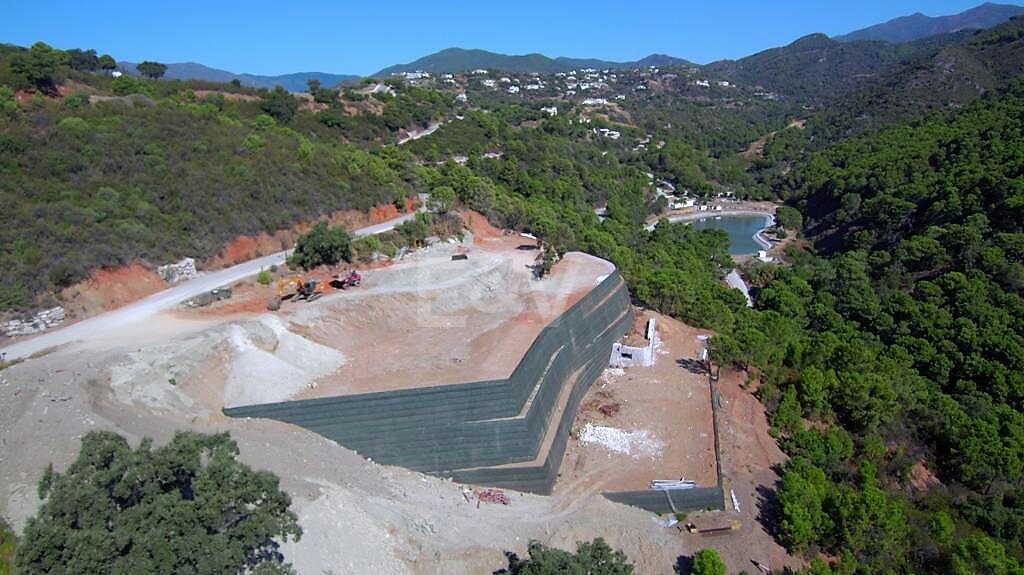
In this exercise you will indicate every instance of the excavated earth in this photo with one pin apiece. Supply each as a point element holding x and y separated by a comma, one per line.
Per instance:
<point>425,320</point>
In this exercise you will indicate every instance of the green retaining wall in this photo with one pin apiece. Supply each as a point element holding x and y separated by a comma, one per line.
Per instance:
<point>465,431</point>
<point>672,501</point>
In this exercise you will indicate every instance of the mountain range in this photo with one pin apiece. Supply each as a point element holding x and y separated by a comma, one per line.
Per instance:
<point>194,71</point>
<point>918,26</point>
<point>453,60</point>
<point>811,63</point>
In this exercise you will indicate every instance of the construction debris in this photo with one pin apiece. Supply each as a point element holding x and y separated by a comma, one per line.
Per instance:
<point>205,299</point>
<point>636,443</point>
<point>491,496</point>
<point>37,323</point>
<point>176,272</point>
<point>668,484</point>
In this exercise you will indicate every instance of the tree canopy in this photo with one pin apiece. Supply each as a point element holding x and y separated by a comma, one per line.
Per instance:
<point>280,104</point>
<point>591,558</point>
<point>322,245</point>
<point>152,70</point>
<point>186,507</point>
<point>707,562</point>
<point>38,65</point>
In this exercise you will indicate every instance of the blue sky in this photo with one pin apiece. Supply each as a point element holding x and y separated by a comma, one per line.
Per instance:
<point>281,36</point>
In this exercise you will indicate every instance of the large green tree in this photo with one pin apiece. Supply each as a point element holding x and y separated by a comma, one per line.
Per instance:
<point>187,507</point>
<point>107,62</point>
<point>323,245</point>
<point>84,60</point>
<point>154,70</point>
<point>591,558</point>
<point>39,64</point>
<point>707,562</point>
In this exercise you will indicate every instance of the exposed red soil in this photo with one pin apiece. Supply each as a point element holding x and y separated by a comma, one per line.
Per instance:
<point>244,248</point>
<point>489,238</point>
<point>749,459</point>
<point>109,288</point>
<point>383,213</point>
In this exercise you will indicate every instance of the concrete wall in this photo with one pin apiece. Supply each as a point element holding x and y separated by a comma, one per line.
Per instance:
<point>630,356</point>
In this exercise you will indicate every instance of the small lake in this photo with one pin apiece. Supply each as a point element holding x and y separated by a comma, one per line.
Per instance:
<point>741,230</point>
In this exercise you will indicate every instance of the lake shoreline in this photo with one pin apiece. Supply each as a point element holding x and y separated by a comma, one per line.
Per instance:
<point>758,236</point>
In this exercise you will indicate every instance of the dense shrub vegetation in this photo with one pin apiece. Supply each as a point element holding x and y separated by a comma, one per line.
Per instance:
<point>594,558</point>
<point>905,345</point>
<point>187,507</point>
<point>164,173</point>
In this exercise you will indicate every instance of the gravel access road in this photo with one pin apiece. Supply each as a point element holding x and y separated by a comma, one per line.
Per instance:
<point>162,301</point>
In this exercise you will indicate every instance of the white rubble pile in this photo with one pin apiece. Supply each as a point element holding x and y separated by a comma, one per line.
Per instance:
<point>261,376</point>
<point>176,272</point>
<point>637,443</point>
<point>37,323</point>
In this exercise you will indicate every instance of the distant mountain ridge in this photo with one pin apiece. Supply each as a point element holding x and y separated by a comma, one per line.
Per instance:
<point>918,26</point>
<point>194,71</point>
<point>814,67</point>
<point>452,60</point>
<point>942,77</point>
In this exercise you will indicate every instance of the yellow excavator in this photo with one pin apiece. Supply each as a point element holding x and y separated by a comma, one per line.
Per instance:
<point>296,288</point>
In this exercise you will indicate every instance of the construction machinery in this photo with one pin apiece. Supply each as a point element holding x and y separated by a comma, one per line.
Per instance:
<point>297,288</point>
<point>353,279</point>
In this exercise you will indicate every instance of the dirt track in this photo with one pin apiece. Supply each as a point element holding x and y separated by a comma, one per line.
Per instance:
<point>150,306</point>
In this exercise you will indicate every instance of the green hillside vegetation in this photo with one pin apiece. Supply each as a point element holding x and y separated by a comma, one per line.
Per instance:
<point>814,67</point>
<point>891,354</point>
<point>153,172</point>
<point>916,26</point>
<point>592,557</point>
<point>944,75</point>
<point>8,542</point>
<point>905,344</point>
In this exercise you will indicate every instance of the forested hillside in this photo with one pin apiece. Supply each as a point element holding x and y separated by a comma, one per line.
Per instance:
<point>893,363</point>
<point>815,67</point>
<point>157,170</point>
<point>943,75</point>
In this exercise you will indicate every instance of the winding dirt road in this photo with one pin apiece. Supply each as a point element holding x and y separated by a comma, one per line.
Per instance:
<point>162,301</point>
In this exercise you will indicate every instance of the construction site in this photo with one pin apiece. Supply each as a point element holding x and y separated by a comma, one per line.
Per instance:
<point>446,408</point>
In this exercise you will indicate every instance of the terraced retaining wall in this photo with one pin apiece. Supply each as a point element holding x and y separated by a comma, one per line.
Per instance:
<point>507,432</point>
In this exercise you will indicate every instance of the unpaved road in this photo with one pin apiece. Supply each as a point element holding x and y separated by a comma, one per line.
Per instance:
<point>149,306</point>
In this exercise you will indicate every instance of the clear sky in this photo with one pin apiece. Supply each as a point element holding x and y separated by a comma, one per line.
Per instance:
<point>361,37</point>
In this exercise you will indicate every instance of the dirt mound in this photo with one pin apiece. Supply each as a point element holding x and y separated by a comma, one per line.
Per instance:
<point>272,364</point>
<point>383,213</point>
<point>478,224</point>
<point>109,288</point>
<point>245,248</point>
